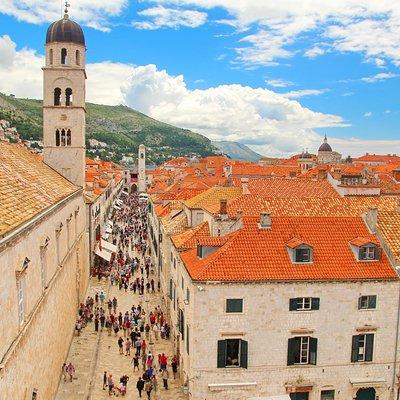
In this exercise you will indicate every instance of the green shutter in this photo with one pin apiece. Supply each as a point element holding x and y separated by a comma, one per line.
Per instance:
<point>315,303</point>
<point>243,353</point>
<point>292,348</point>
<point>354,349</point>
<point>221,358</point>
<point>371,301</point>
<point>313,351</point>
<point>359,302</point>
<point>369,348</point>
<point>292,304</point>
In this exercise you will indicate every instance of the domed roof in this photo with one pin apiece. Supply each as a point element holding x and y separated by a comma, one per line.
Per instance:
<point>65,30</point>
<point>325,146</point>
<point>305,154</point>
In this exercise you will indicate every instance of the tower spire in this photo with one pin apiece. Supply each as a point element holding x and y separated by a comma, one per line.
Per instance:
<point>66,16</point>
<point>325,138</point>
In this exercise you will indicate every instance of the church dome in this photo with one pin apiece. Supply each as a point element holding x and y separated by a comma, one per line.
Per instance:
<point>325,146</point>
<point>305,154</point>
<point>65,30</point>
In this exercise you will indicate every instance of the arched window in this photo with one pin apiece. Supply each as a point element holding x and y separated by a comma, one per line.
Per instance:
<point>69,137</point>
<point>64,59</point>
<point>63,138</point>
<point>57,96</point>
<point>78,57</point>
<point>51,56</point>
<point>57,137</point>
<point>68,97</point>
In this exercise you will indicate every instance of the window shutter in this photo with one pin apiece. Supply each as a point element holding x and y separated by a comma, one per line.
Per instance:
<point>378,252</point>
<point>292,347</point>
<point>359,302</point>
<point>313,351</point>
<point>372,302</point>
<point>243,353</point>
<point>292,304</point>
<point>315,303</point>
<point>354,349</point>
<point>360,253</point>
<point>221,359</point>
<point>369,348</point>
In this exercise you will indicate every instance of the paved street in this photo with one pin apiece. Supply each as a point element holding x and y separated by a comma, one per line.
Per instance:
<point>93,353</point>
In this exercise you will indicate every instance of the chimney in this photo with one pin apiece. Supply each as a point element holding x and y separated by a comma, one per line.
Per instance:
<point>371,218</point>
<point>265,220</point>
<point>223,207</point>
<point>245,185</point>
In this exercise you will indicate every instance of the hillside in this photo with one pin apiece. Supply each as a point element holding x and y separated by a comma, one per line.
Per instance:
<point>120,127</point>
<point>237,151</point>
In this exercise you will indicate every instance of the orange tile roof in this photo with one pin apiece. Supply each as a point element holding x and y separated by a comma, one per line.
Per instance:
<point>252,205</point>
<point>253,254</point>
<point>386,158</point>
<point>188,239</point>
<point>212,196</point>
<point>295,242</point>
<point>281,187</point>
<point>248,170</point>
<point>389,227</point>
<point>27,186</point>
<point>362,241</point>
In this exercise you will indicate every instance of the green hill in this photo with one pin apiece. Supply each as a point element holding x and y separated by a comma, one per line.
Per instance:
<point>122,128</point>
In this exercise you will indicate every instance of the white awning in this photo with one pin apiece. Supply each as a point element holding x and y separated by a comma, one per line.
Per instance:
<point>118,201</point>
<point>108,246</point>
<point>103,253</point>
<point>105,236</point>
<point>116,207</point>
<point>108,229</point>
<point>110,223</point>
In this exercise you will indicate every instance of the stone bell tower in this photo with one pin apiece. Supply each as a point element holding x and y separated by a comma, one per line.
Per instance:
<point>142,169</point>
<point>64,119</point>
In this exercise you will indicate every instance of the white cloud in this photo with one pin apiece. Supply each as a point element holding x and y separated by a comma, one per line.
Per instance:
<point>382,76</point>
<point>368,114</point>
<point>369,27</point>
<point>93,13</point>
<point>315,52</point>
<point>295,94</point>
<point>161,17</point>
<point>279,83</point>
<point>269,122</point>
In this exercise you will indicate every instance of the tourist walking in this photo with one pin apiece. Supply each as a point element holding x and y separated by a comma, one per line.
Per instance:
<point>104,380</point>
<point>165,376</point>
<point>148,388</point>
<point>140,386</point>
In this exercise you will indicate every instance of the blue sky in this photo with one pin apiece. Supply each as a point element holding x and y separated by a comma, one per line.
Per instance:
<point>274,77</point>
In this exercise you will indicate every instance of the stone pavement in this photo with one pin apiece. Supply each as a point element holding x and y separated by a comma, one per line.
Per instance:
<point>92,353</point>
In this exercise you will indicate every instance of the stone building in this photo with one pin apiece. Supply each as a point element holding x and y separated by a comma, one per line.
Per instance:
<point>142,169</point>
<point>43,256</point>
<point>276,307</point>
<point>43,236</point>
<point>326,155</point>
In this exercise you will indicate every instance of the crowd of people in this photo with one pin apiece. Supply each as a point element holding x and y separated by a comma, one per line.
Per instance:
<point>131,270</point>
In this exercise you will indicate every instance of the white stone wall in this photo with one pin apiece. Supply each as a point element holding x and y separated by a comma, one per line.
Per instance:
<point>44,337</point>
<point>267,324</point>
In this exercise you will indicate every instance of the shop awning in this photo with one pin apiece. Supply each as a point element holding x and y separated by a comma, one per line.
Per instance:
<point>110,223</point>
<point>105,236</point>
<point>108,246</point>
<point>106,255</point>
<point>108,229</point>
<point>116,207</point>
<point>118,201</point>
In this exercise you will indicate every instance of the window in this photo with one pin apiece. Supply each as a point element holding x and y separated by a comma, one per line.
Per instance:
<point>43,266</point>
<point>368,253</point>
<point>58,138</point>
<point>21,288</point>
<point>68,138</point>
<point>182,283</point>
<point>303,255</point>
<point>57,96</point>
<point>64,59</point>
<point>232,353</point>
<point>78,57</point>
<point>181,323</point>
<point>187,339</point>
<point>304,304</point>
<point>68,97</point>
<point>188,295</point>
<point>362,347</point>
<point>366,302</point>
<point>302,350</point>
<point>327,395</point>
<point>234,305</point>
<point>51,56</point>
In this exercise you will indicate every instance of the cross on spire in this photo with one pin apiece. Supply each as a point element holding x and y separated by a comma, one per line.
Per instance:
<point>66,16</point>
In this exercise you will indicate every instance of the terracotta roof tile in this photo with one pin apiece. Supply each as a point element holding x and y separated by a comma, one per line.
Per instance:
<point>389,226</point>
<point>253,254</point>
<point>27,186</point>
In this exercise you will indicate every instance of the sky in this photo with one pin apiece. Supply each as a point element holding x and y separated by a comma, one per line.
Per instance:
<point>276,76</point>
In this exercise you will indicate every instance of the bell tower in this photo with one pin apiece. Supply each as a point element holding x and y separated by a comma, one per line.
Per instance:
<point>142,169</point>
<point>64,113</point>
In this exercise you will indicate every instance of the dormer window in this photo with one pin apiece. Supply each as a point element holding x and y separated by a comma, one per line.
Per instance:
<point>303,255</point>
<point>365,249</point>
<point>299,251</point>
